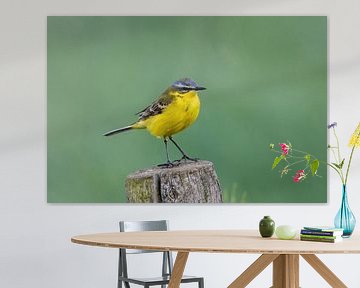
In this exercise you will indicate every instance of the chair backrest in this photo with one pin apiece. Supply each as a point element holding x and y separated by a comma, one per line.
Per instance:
<point>134,226</point>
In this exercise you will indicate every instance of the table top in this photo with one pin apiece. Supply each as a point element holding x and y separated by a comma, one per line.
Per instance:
<point>216,241</point>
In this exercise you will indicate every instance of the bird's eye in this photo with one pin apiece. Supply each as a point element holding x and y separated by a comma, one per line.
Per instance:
<point>185,89</point>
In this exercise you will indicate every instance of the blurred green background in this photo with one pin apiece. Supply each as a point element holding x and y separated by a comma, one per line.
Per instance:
<point>266,80</point>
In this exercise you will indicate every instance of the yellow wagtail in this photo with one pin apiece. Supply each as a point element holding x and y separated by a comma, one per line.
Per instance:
<point>176,109</point>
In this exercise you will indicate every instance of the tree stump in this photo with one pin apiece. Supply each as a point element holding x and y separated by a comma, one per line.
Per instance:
<point>188,182</point>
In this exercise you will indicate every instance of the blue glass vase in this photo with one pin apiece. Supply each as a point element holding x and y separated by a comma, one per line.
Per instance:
<point>345,219</point>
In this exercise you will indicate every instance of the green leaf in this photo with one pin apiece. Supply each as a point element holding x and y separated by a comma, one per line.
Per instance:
<point>342,163</point>
<point>277,161</point>
<point>339,166</point>
<point>307,157</point>
<point>336,165</point>
<point>314,166</point>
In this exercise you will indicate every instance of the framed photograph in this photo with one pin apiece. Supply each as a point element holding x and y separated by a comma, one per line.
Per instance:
<point>265,79</point>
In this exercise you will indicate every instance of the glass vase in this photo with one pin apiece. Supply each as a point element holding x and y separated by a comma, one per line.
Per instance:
<point>345,219</point>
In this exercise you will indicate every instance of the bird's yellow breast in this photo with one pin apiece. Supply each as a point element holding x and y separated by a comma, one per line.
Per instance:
<point>178,115</point>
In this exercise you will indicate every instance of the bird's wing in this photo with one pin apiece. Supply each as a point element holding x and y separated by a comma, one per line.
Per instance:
<point>156,107</point>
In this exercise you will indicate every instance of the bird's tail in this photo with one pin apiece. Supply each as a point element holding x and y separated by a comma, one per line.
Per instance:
<point>119,130</point>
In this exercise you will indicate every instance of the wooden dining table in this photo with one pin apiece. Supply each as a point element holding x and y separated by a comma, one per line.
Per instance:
<point>283,254</point>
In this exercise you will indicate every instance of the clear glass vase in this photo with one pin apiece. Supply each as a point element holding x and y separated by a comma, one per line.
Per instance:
<point>345,219</point>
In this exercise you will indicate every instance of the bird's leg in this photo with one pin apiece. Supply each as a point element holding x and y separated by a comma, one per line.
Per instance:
<point>168,163</point>
<point>186,157</point>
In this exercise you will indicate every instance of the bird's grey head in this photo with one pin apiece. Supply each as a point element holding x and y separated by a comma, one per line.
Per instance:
<point>185,85</point>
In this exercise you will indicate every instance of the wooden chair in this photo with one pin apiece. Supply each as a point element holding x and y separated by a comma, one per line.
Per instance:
<point>167,262</point>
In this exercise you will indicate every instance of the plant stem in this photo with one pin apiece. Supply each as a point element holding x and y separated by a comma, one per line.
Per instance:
<point>348,167</point>
<point>296,162</point>
<point>337,142</point>
<point>337,171</point>
<point>306,153</point>
<point>288,155</point>
<point>351,155</point>
<point>338,149</point>
<point>333,152</point>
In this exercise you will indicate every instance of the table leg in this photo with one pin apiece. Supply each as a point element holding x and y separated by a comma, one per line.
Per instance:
<point>253,270</point>
<point>324,271</point>
<point>286,271</point>
<point>178,270</point>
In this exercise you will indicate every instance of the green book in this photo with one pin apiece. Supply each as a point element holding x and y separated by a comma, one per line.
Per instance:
<point>319,236</point>
<point>323,228</point>
<point>321,233</point>
<point>325,240</point>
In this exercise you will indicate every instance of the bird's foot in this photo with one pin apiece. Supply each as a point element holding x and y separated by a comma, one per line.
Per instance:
<point>175,163</point>
<point>165,165</point>
<point>169,164</point>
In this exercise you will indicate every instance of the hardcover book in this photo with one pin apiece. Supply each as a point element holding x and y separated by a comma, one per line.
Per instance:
<point>324,239</point>
<point>338,232</point>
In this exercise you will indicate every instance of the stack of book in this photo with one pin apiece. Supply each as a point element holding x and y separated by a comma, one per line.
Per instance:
<point>321,234</point>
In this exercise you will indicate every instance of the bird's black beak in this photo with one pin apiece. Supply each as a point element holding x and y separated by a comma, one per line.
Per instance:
<point>200,88</point>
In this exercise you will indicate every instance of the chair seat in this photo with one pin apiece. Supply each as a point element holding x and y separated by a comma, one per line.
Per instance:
<point>158,280</point>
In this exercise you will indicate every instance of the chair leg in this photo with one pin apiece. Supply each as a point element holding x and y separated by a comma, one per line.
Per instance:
<point>201,283</point>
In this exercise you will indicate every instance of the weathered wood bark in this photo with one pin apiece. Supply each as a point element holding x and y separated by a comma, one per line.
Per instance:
<point>189,182</point>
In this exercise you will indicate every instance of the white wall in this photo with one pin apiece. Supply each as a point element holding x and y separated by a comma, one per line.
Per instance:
<point>35,248</point>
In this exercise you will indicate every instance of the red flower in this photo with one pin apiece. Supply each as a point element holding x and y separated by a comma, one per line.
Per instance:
<point>300,175</point>
<point>285,148</point>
